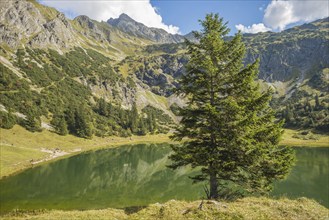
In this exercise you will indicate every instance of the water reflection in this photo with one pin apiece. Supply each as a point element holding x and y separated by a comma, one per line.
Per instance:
<point>137,176</point>
<point>121,177</point>
<point>310,176</point>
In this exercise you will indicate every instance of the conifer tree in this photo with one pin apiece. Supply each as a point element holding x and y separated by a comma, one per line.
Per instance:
<point>83,124</point>
<point>7,120</point>
<point>134,119</point>
<point>317,102</point>
<point>60,124</point>
<point>102,107</point>
<point>33,123</point>
<point>141,127</point>
<point>228,125</point>
<point>70,118</point>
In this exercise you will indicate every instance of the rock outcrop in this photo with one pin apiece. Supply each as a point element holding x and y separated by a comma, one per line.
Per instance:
<point>19,20</point>
<point>22,23</point>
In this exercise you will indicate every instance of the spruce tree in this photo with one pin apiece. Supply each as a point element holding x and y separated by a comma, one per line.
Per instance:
<point>134,119</point>
<point>60,124</point>
<point>228,127</point>
<point>102,107</point>
<point>317,102</point>
<point>141,127</point>
<point>7,120</point>
<point>83,124</point>
<point>33,123</point>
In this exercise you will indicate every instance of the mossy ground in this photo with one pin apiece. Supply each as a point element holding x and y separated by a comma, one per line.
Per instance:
<point>247,208</point>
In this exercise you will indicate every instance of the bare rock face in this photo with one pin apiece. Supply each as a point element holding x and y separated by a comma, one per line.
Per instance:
<point>18,20</point>
<point>57,32</point>
<point>22,22</point>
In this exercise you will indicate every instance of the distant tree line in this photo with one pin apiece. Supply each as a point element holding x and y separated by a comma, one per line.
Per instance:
<point>311,113</point>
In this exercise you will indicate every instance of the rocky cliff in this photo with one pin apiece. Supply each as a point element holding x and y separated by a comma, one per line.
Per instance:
<point>21,22</point>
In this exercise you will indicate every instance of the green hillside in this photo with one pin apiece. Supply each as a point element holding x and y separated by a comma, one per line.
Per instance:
<point>90,78</point>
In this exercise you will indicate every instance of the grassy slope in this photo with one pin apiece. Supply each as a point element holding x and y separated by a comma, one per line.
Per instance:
<point>247,208</point>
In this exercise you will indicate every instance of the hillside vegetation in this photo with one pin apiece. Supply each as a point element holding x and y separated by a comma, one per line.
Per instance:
<point>87,78</point>
<point>61,89</point>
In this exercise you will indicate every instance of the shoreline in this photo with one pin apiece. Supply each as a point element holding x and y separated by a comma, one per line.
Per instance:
<point>48,147</point>
<point>45,147</point>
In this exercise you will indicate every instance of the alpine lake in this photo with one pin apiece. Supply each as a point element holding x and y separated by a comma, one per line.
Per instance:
<point>137,175</point>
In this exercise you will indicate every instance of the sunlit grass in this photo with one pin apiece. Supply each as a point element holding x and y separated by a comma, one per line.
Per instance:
<point>289,140</point>
<point>13,158</point>
<point>247,208</point>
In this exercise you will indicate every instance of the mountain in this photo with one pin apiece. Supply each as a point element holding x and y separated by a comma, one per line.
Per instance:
<point>287,57</point>
<point>296,52</point>
<point>130,26</point>
<point>116,77</point>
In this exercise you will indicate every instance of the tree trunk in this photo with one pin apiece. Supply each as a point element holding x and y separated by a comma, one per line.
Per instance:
<point>213,186</point>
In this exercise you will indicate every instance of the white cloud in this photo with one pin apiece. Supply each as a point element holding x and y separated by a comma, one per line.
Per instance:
<point>279,14</point>
<point>141,11</point>
<point>255,28</point>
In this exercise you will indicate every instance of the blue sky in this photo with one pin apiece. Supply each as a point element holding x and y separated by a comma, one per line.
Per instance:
<point>185,14</point>
<point>182,16</point>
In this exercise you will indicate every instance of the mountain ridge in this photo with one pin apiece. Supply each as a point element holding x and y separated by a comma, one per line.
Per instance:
<point>52,56</point>
<point>130,26</point>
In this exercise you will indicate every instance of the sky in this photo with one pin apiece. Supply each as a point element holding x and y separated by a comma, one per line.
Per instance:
<point>181,16</point>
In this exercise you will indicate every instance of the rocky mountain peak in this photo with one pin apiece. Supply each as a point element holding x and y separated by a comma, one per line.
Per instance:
<point>125,23</point>
<point>132,27</point>
<point>90,28</point>
<point>85,21</point>
<point>122,18</point>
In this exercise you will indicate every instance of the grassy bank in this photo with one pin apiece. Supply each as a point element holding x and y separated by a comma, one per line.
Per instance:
<point>20,148</point>
<point>247,208</point>
<point>315,140</point>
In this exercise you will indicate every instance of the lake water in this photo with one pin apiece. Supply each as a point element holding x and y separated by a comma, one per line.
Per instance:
<point>136,176</point>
